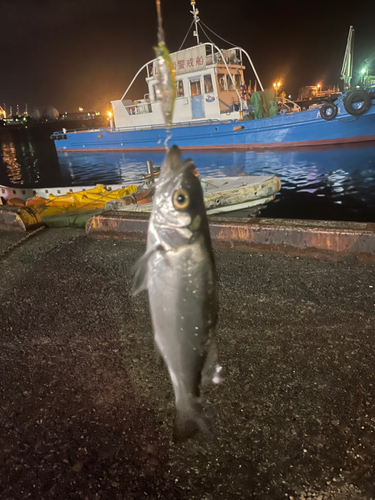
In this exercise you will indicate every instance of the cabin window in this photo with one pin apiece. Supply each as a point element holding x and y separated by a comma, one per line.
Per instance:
<point>230,84</point>
<point>222,81</point>
<point>180,88</point>
<point>237,81</point>
<point>156,93</point>
<point>150,70</point>
<point>208,87</point>
<point>195,87</point>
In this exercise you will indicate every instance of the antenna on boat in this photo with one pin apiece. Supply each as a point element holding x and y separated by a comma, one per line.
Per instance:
<point>195,13</point>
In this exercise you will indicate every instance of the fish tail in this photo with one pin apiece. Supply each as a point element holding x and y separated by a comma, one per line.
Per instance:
<point>190,422</point>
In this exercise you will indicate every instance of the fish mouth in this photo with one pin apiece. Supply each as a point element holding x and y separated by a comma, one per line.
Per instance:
<point>173,167</point>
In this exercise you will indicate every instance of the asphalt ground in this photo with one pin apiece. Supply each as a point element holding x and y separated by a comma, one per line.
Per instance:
<point>86,409</point>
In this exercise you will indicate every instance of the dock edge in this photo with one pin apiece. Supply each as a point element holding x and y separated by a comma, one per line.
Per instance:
<point>294,236</point>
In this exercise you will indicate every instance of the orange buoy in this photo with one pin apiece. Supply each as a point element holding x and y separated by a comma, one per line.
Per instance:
<point>16,202</point>
<point>37,200</point>
<point>144,200</point>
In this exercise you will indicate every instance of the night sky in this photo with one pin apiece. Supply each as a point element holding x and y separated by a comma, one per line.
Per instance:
<point>75,53</point>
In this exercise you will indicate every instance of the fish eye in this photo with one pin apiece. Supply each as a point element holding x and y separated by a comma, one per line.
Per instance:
<point>180,199</point>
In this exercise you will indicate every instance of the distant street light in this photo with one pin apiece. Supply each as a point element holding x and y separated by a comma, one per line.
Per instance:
<point>109,114</point>
<point>276,86</point>
<point>80,109</point>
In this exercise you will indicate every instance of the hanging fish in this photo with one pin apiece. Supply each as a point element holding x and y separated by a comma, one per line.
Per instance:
<point>166,74</point>
<point>178,271</point>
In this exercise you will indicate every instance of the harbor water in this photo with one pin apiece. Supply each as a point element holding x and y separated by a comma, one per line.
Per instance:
<point>320,183</point>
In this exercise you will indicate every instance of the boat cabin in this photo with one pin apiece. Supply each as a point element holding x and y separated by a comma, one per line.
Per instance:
<point>209,82</point>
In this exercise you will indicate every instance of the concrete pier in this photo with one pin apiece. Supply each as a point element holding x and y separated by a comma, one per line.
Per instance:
<point>286,236</point>
<point>87,410</point>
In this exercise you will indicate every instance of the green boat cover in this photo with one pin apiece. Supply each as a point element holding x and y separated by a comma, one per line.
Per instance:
<point>273,108</point>
<point>262,103</point>
<point>257,103</point>
<point>71,219</point>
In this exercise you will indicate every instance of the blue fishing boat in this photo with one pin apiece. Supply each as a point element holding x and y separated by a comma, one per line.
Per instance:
<point>213,110</point>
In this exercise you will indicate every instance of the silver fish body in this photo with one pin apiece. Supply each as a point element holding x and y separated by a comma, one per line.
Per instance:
<point>178,271</point>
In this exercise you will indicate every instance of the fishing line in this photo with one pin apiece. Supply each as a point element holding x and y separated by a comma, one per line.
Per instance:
<point>161,41</point>
<point>160,25</point>
<point>169,135</point>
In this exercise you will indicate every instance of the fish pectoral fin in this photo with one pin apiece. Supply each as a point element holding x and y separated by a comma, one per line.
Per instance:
<point>140,270</point>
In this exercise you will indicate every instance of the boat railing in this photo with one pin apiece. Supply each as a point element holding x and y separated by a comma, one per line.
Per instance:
<point>238,51</point>
<point>212,121</point>
<point>140,107</point>
<point>174,125</point>
<point>76,130</point>
<point>288,104</point>
<point>214,55</point>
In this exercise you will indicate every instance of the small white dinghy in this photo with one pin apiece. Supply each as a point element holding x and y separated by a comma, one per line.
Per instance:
<point>223,194</point>
<point>228,194</point>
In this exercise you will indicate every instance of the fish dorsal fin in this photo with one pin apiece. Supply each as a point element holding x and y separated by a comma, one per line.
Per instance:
<point>140,270</point>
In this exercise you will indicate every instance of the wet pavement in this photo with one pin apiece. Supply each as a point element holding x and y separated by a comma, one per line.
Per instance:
<point>87,409</point>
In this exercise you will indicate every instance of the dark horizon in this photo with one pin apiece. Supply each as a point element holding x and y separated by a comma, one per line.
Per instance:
<point>78,53</point>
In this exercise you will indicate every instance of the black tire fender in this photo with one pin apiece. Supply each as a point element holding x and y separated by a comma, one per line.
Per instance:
<point>328,111</point>
<point>357,96</point>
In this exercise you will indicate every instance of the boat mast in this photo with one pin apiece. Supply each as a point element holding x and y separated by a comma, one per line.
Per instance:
<point>195,13</point>
<point>347,65</point>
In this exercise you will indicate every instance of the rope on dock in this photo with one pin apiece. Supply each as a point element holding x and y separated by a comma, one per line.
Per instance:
<point>19,242</point>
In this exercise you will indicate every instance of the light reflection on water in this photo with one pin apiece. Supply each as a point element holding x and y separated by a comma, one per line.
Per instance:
<point>321,183</point>
<point>344,176</point>
<point>297,170</point>
<point>8,153</point>
<point>30,158</point>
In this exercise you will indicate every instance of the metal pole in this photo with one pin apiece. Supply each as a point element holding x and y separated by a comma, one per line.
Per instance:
<point>150,169</point>
<point>195,13</point>
<point>351,60</point>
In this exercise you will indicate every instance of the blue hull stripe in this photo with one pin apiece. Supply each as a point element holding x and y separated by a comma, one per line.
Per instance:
<point>299,129</point>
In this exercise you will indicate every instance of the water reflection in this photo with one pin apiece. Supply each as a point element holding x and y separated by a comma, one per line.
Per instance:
<point>322,183</point>
<point>27,159</point>
<point>9,157</point>
<point>299,170</point>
